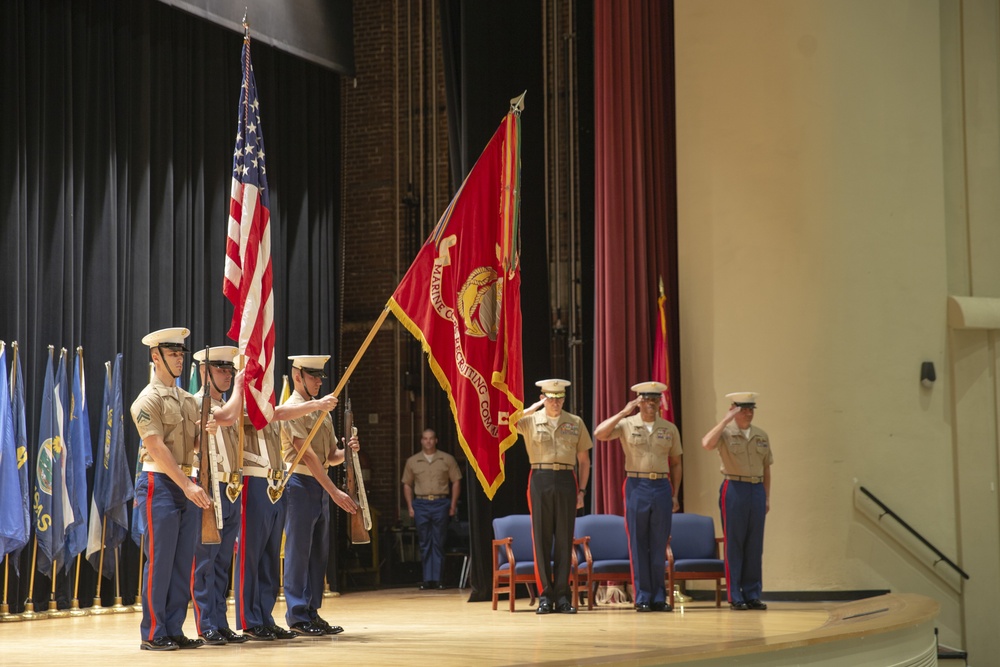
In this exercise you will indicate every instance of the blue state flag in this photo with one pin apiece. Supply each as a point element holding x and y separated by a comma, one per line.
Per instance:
<point>112,483</point>
<point>20,446</point>
<point>80,458</point>
<point>48,473</point>
<point>13,530</point>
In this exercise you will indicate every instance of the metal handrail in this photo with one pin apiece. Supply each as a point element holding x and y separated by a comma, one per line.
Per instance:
<point>886,510</point>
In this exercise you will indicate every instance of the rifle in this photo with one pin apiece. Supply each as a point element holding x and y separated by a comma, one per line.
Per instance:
<point>361,522</point>
<point>209,529</point>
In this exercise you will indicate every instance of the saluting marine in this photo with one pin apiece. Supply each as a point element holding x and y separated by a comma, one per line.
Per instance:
<point>653,472</point>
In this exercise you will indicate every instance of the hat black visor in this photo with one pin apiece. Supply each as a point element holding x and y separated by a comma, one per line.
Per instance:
<point>177,347</point>
<point>315,372</point>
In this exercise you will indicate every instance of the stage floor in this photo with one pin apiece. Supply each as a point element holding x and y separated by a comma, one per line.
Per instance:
<point>439,628</point>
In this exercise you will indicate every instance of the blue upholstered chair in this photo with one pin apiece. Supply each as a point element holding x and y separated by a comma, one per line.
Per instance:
<point>602,549</point>
<point>693,553</point>
<point>513,557</point>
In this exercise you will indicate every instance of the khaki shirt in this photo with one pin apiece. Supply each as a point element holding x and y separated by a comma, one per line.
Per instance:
<point>558,445</point>
<point>325,442</point>
<point>742,456</point>
<point>171,413</point>
<point>265,444</point>
<point>432,478</point>
<point>647,451</point>
<point>226,437</point>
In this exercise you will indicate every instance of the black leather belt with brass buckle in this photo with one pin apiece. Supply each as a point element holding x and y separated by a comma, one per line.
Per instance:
<point>648,475</point>
<point>742,478</point>
<point>551,466</point>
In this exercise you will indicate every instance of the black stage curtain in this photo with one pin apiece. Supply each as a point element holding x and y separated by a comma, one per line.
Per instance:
<point>118,128</point>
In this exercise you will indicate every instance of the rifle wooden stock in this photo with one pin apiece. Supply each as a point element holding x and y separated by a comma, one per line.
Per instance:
<point>358,528</point>
<point>209,531</point>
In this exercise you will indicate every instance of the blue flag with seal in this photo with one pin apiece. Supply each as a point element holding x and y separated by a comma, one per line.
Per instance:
<point>13,529</point>
<point>20,446</point>
<point>112,483</point>
<point>80,458</point>
<point>53,511</point>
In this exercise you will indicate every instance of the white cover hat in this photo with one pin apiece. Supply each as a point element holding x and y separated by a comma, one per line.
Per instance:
<point>553,388</point>
<point>221,355</point>
<point>311,363</point>
<point>172,337</point>
<point>744,399</point>
<point>649,388</point>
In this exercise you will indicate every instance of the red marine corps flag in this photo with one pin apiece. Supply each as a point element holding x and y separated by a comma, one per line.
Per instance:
<point>461,299</point>
<point>247,281</point>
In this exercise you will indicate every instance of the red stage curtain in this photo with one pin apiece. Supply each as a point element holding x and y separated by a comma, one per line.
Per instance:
<point>635,212</point>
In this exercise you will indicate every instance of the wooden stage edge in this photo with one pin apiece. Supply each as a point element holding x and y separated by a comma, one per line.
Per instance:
<point>440,628</point>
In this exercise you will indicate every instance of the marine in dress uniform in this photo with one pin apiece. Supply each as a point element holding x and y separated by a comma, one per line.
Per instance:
<point>557,442</point>
<point>212,562</point>
<point>431,486</point>
<point>653,472</point>
<point>166,418</point>
<point>744,497</point>
<point>258,550</point>
<point>307,520</point>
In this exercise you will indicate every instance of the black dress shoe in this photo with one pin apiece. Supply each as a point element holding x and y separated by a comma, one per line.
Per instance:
<point>428,585</point>
<point>306,629</point>
<point>232,637</point>
<point>643,606</point>
<point>326,627</point>
<point>565,608</point>
<point>159,644</point>
<point>259,633</point>
<point>544,608</point>
<point>439,586</point>
<point>280,633</point>
<point>213,638</point>
<point>184,642</point>
<point>661,606</point>
<point>738,606</point>
<point>756,604</point>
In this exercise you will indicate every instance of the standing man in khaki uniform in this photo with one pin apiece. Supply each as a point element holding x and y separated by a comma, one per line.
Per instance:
<point>653,472</point>
<point>744,497</point>
<point>166,494</point>
<point>434,478</point>
<point>258,552</point>
<point>307,522</point>
<point>557,442</point>
<point>212,562</point>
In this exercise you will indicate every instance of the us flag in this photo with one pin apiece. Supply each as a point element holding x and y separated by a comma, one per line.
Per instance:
<point>247,281</point>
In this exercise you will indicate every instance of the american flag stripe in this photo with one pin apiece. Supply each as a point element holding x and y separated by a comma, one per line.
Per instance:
<point>248,278</point>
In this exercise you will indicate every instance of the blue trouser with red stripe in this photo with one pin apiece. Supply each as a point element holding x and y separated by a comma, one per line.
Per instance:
<point>649,513</point>
<point>258,555</point>
<point>172,528</point>
<point>430,517</point>
<point>743,507</point>
<point>307,541</point>
<point>211,569</point>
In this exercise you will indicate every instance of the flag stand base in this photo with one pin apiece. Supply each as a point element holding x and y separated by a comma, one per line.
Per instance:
<point>74,609</point>
<point>119,608</point>
<point>55,612</point>
<point>6,616</point>
<point>96,609</point>
<point>30,614</point>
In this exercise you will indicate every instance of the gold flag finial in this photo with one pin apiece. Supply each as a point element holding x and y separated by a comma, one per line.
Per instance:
<point>517,103</point>
<point>246,23</point>
<point>661,286</point>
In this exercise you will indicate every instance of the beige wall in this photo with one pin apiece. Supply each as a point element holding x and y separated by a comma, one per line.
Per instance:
<point>822,228</point>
